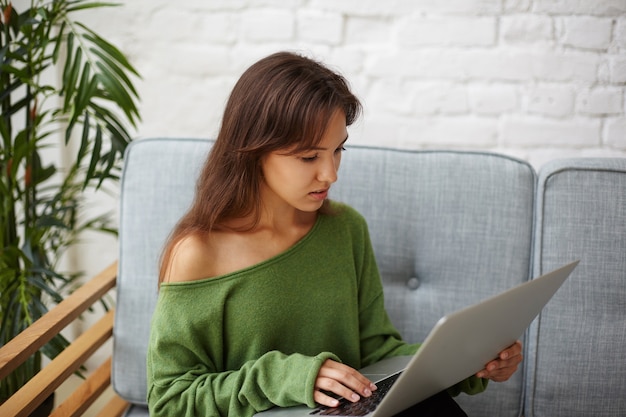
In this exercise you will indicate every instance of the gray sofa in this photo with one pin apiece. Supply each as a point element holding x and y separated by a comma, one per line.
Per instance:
<point>448,228</point>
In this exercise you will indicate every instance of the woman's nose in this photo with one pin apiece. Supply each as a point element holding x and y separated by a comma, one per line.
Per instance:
<point>328,171</point>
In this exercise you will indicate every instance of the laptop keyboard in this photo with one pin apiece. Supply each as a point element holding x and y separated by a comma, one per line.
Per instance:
<point>361,407</point>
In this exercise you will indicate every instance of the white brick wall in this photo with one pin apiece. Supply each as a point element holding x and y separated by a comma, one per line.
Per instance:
<point>533,78</point>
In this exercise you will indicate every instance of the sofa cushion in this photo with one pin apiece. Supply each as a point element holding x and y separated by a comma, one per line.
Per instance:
<point>448,229</point>
<point>575,361</point>
<point>157,186</point>
<point>137,411</point>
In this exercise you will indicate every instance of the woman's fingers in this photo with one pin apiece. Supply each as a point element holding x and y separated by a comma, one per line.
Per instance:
<point>505,366</point>
<point>340,380</point>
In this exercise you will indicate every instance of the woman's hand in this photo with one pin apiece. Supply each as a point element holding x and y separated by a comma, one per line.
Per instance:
<point>341,380</point>
<point>505,365</point>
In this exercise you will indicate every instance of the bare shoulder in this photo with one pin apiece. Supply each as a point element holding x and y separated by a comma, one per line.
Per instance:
<point>199,256</point>
<point>190,259</point>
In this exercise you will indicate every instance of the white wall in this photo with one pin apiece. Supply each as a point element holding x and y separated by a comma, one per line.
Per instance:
<point>537,79</point>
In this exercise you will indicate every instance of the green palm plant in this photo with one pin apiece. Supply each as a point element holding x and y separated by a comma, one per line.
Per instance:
<point>86,107</point>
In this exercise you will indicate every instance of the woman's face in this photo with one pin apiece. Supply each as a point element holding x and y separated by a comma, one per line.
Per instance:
<point>302,180</point>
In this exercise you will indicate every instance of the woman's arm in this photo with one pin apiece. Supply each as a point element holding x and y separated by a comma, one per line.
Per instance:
<point>178,388</point>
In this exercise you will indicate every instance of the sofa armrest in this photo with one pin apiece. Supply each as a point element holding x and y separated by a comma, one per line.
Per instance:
<point>42,385</point>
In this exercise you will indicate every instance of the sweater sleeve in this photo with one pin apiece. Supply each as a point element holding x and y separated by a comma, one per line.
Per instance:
<point>185,377</point>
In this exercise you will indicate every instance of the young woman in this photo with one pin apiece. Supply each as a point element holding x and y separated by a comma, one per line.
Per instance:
<point>269,293</point>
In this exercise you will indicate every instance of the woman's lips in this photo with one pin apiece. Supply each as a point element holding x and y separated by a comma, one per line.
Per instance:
<point>319,195</point>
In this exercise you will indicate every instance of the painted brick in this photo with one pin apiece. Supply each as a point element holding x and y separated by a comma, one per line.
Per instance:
<point>202,106</point>
<point>349,61</point>
<point>404,7</point>
<point>469,7</point>
<point>440,64</point>
<point>379,130</point>
<point>526,28</point>
<point>191,60</point>
<point>617,65</point>
<point>465,132</point>
<point>457,132</point>
<point>620,33</point>
<point>317,26</point>
<point>172,25</point>
<point>516,6</point>
<point>500,64</point>
<point>616,133</point>
<point>586,32</point>
<point>202,5</point>
<point>551,100</point>
<point>566,66</point>
<point>600,101</point>
<point>447,31</point>
<point>259,25</point>
<point>243,54</point>
<point>520,64</point>
<point>218,27</point>
<point>283,4</point>
<point>529,131</point>
<point>578,7</point>
<point>496,64</point>
<point>493,99</point>
<point>390,96</point>
<point>365,7</point>
<point>367,30</point>
<point>438,98</point>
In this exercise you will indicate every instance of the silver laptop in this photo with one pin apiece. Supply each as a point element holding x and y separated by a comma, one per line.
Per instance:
<point>459,345</point>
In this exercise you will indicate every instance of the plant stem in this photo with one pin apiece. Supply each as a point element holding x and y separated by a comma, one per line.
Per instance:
<point>10,228</point>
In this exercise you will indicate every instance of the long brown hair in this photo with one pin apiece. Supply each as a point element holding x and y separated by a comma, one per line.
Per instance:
<point>282,102</point>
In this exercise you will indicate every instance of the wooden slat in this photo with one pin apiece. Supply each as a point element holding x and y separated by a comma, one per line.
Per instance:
<point>87,393</point>
<point>16,351</point>
<point>114,408</point>
<point>23,402</point>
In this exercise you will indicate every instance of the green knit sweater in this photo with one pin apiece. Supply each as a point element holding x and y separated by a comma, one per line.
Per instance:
<point>256,338</point>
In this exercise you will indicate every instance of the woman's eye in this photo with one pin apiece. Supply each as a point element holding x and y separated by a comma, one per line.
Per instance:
<point>309,158</point>
<point>340,149</point>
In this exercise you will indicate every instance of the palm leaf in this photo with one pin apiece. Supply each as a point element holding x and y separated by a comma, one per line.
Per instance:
<point>108,48</point>
<point>76,6</point>
<point>71,71</point>
<point>108,64</point>
<point>86,88</point>
<point>95,155</point>
<point>84,140</point>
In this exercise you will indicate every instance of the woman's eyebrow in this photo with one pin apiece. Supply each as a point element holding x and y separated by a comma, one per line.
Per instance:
<point>319,148</point>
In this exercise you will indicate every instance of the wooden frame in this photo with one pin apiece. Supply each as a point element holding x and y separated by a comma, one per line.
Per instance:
<point>42,385</point>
